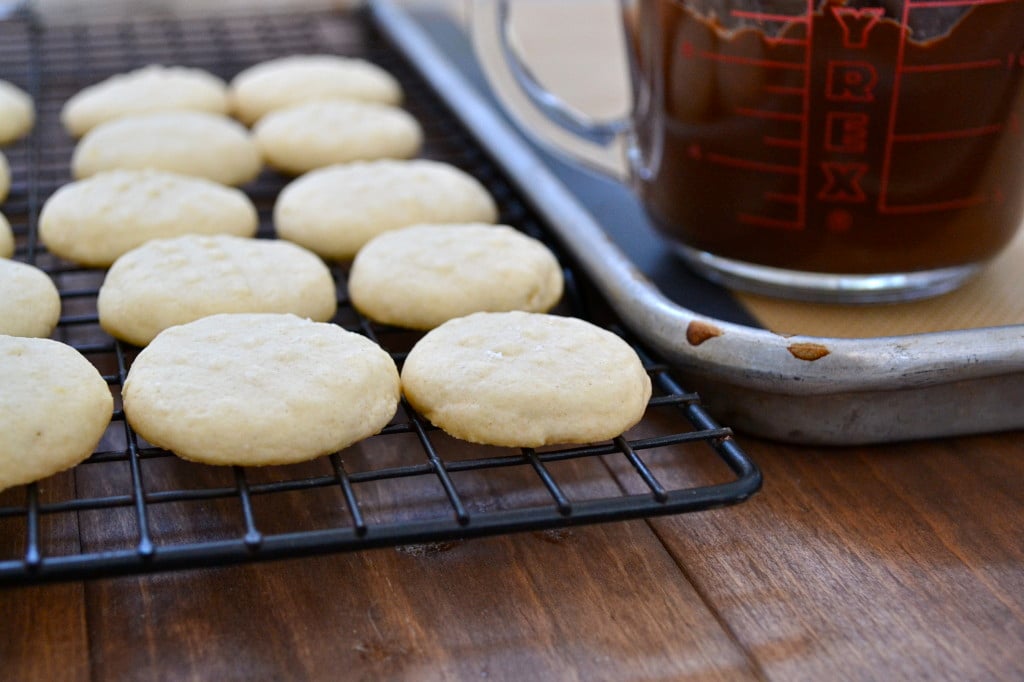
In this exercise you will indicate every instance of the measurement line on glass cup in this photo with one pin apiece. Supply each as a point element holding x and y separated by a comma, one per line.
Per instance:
<point>794,201</point>
<point>894,137</point>
<point>843,180</point>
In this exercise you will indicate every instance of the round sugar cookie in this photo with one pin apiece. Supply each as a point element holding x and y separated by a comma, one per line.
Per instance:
<point>29,300</point>
<point>94,221</point>
<point>149,89</point>
<point>17,112</point>
<point>166,282</point>
<point>259,389</point>
<point>280,83</point>
<point>334,211</point>
<point>5,177</point>
<point>54,408</point>
<point>188,142</point>
<point>6,238</point>
<point>521,379</point>
<point>307,136</point>
<point>424,275</point>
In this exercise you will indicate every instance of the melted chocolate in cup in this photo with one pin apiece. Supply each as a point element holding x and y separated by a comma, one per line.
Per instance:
<point>833,141</point>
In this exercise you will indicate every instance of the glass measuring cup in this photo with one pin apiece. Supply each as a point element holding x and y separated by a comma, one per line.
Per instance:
<point>847,151</point>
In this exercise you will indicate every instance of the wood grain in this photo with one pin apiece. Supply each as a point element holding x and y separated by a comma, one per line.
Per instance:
<point>593,603</point>
<point>902,561</point>
<point>43,632</point>
<point>905,562</point>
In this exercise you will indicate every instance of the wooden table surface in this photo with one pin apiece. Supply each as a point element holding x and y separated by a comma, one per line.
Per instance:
<point>866,563</point>
<point>886,562</point>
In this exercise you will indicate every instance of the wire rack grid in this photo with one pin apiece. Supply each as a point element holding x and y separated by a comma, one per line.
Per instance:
<point>133,508</point>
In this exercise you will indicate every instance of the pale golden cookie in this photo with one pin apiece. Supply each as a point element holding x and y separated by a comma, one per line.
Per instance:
<point>17,112</point>
<point>334,211</point>
<point>29,301</point>
<point>258,389</point>
<point>6,238</point>
<point>149,89</point>
<point>424,275</point>
<point>94,221</point>
<point>188,142</point>
<point>173,281</point>
<point>54,408</point>
<point>307,136</point>
<point>283,82</point>
<point>5,177</point>
<point>525,380</point>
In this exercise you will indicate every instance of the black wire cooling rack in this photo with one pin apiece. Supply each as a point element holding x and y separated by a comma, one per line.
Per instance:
<point>133,508</point>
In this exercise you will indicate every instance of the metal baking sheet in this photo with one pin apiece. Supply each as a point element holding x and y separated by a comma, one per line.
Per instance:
<point>800,389</point>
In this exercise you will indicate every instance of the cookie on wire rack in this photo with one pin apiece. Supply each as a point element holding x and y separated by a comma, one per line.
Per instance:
<point>54,408</point>
<point>424,275</point>
<point>5,177</point>
<point>152,88</point>
<point>17,112</point>
<point>259,389</point>
<point>520,379</point>
<point>166,282</point>
<point>6,238</point>
<point>313,135</point>
<point>285,81</point>
<point>94,221</point>
<point>29,301</point>
<point>334,211</point>
<point>194,143</point>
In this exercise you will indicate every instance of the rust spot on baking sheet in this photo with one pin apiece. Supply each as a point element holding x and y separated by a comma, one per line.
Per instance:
<point>698,332</point>
<point>808,351</point>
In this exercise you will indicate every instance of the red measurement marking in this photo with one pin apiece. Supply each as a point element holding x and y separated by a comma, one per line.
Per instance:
<point>782,142</point>
<point>955,3</point>
<point>883,188</point>
<point>805,128</point>
<point>764,221</point>
<point>688,50</point>
<point>775,42</point>
<point>949,134</point>
<point>785,89</point>
<point>768,16</point>
<point>949,205</point>
<point>750,164</point>
<point>771,115</point>
<point>951,66</point>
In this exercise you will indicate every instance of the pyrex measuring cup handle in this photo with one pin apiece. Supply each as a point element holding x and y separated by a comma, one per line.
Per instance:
<point>541,114</point>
